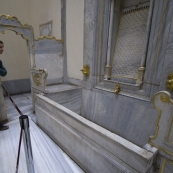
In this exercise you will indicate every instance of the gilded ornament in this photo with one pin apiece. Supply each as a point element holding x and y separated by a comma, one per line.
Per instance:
<point>164,98</point>
<point>37,79</point>
<point>8,17</point>
<point>86,70</point>
<point>117,89</point>
<point>50,38</point>
<point>169,82</point>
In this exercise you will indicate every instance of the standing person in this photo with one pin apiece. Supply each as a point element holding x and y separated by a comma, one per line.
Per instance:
<point>3,73</point>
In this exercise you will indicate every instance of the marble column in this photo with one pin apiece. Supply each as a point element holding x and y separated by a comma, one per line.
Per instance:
<point>3,113</point>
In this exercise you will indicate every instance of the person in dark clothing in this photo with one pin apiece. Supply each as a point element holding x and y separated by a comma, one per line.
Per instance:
<point>3,73</point>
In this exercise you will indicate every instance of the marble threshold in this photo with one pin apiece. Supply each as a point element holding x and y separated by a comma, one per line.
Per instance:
<point>48,156</point>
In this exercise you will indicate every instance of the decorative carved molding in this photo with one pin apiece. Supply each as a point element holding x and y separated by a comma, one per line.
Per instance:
<point>37,79</point>
<point>161,139</point>
<point>8,17</point>
<point>50,38</point>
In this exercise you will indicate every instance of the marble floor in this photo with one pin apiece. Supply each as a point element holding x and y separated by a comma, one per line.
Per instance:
<point>48,156</point>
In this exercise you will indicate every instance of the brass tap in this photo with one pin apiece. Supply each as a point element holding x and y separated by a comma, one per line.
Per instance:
<point>169,82</point>
<point>86,70</point>
<point>117,89</point>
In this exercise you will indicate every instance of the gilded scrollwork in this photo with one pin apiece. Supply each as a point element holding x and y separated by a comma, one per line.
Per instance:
<point>164,97</point>
<point>50,38</point>
<point>37,79</point>
<point>8,17</point>
<point>169,82</point>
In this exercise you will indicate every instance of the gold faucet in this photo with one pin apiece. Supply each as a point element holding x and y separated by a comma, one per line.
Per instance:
<point>86,70</point>
<point>117,89</point>
<point>169,82</point>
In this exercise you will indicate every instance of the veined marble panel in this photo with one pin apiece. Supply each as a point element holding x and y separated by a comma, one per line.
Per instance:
<point>161,24</point>
<point>53,63</point>
<point>60,88</point>
<point>14,87</point>
<point>90,15</point>
<point>47,46</point>
<point>130,118</point>
<point>70,98</point>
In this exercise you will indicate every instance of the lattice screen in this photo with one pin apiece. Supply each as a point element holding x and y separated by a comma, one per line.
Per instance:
<point>130,43</point>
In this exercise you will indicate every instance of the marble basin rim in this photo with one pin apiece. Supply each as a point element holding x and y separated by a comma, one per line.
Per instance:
<point>130,154</point>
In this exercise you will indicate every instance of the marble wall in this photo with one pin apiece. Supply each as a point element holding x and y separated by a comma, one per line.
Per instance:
<point>68,96</point>
<point>130,118</point>
<point>48,55</point>
<point>127,114</point>
<point>14,87</point>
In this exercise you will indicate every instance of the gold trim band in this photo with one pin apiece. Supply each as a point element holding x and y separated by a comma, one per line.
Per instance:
<point>48,37</point>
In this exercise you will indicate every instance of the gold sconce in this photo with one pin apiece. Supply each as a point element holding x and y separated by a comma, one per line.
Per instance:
<point>117,89</point>
<point>169,82</point>
<point>86,70</point>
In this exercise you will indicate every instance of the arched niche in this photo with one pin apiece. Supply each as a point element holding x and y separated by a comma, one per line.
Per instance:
<point>26,31</point>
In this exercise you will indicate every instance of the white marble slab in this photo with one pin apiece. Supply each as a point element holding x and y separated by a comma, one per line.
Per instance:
<point>48,157</point>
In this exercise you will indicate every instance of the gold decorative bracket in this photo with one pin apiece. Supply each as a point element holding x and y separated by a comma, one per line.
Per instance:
<point>86,70</point>
<point>117,89</point>
<point>169,82</point>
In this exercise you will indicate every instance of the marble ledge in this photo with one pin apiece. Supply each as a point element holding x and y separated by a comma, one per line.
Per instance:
<point>127,94</point>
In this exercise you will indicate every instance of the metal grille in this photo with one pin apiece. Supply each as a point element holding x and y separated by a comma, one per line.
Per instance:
<point>130,43</point>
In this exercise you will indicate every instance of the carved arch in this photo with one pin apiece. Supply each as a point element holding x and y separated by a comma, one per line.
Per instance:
<point>12,23</point>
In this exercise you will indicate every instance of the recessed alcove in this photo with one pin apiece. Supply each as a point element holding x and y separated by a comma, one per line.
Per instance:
<point>130,32</point>
<point>125,33</point>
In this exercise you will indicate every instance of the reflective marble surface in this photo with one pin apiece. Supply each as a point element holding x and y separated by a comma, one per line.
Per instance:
<point>48,156</point>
